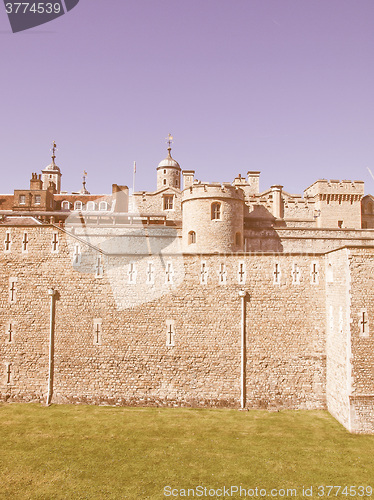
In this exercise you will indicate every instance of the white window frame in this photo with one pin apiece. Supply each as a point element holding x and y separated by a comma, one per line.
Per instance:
<point>222,274</point>
<point>103,206</point>
<point>168,198</point>
<point>91,206</point>
<point>132,273</point>
<point>295,276</point>
<point>169,269</point>
<point>213,211</point>
<point>63,205</point>
<point>78,205</point>
<point>77,255</point>
<point>99,268</point>
<point>204,275</point>
<point>150,273</point>
<point>22,199</point>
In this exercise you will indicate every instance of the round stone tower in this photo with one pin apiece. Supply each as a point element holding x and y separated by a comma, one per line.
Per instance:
<point>213,218</point>
<point>52,173</point>
<point>168,173</point>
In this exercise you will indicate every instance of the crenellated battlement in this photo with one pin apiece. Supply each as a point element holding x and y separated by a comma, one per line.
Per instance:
<point>335,187</point>
<point>213,190</point>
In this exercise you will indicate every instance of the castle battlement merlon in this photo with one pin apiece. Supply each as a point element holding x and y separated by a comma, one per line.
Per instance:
<point>213,190</point>
<point>323,186</point>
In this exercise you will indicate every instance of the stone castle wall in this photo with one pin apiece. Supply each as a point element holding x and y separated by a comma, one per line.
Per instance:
<point>361,266</point>
<point>110,350</point>
<point>338,345</point>
<point>164,329</point>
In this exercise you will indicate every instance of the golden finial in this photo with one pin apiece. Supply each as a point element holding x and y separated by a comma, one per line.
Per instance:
<point>169,141</point>
<point>54,149</point>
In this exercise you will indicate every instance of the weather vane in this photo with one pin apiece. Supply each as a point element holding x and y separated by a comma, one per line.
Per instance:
<point>169,140</point>
<point>54,149</point>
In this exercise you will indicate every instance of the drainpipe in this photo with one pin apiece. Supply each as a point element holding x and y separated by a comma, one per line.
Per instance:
<point>51,293</point>
<point>242,295</point>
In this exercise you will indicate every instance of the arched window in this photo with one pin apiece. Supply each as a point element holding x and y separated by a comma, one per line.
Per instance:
<point>164,182</point>
<point>238,239</point>
<point>78,205</point>
<point>191,237</point>
<point>91,206</point>
<point>216,211</point>
<point>65,205</point>
<point>103,205</point>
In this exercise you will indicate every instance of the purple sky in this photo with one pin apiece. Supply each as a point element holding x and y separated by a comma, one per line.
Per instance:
<point>281,86</point>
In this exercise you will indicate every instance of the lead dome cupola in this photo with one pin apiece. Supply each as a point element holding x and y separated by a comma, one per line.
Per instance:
<point>169,161</point>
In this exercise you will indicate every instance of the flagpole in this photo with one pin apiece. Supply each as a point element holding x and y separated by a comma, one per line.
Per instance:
<point>133,180</point>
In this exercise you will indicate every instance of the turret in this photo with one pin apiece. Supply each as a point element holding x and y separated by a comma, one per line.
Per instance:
<point>337,203</point>
<point>213,218</point>
<point>52,172</point>
<point>168,171</point>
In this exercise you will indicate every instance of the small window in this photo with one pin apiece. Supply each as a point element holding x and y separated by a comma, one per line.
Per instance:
<point>168,202</point>
<point>7,242</point>
<point>276,274</point>
<point>13,289</point>
<point>25,243</point>
<point>99,268</point>
<point>170,333</point>
<point>91,206</point>
<point>216,211</point>
<point>9,331</point>
<point>340,224</point>
<point>38,199</point>
<point>164,172</point>
<point>314,273</point>
<point>364,323</point>
<point>78,205</point>
<point>164,182</point>
<point>176,182</point>
<point>295,273</point>
<point>22,199</point>
<point>97,322</point>
<point>55,243</point>
<point>65,205</point>
<point>191,237</point>
<point>77,255</point>
<point>103,205</point>
<point>203,273</point>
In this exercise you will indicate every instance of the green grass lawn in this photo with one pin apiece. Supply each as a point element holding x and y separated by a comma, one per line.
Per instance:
<point>75,452</point>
